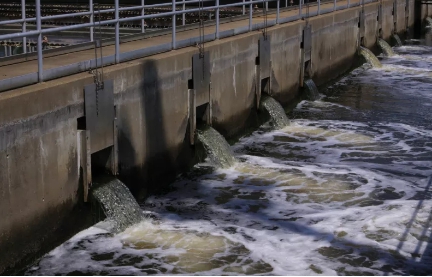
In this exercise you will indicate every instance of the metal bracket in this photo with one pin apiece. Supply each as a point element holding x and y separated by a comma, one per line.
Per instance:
<point>263,67</point>
<point>200,93</point>
<point>306,53</point>
<point>85,160</point>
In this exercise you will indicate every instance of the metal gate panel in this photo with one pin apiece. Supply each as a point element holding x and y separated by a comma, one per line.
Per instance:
<point>201,77</point>
<point>99,114</point>
<point>264,57</point>
<point>361,23</point>
<point>307,42</point>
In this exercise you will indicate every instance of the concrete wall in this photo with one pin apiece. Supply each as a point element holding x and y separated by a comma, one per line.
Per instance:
<point>40,191</point>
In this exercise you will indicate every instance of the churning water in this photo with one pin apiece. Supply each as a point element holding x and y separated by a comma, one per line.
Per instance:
<point>344,189</point>
<point>398,40</point>
<point>385,47</point>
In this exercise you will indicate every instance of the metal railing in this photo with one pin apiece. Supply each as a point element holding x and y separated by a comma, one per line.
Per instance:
<point>118,57</point>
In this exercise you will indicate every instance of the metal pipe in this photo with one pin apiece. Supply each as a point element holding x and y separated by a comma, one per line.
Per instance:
<point>142,20</point>
<point>277,11</point>
<point>23,16</point>
<point>348,3</point>
<point>319,6</point>
<point>173,45</point>
<point>243,7</point>
<point>217,19</point>
<point>286,3</point>
<point>334,5</point>
<point>39,42</point>
<point>91,19</point>
<point>266,6</point>
<point>184,15</point>
<point>117,32</point>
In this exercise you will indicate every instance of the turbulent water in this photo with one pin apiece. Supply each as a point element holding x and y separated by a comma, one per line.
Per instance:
<point>429,21</point>
<point>118,204</point>
<point>218,150</point>
<point>311,90</point>
<point>385,47</point>
<point>276,112</point>
<point>370,57</point>
<point>344,189</point>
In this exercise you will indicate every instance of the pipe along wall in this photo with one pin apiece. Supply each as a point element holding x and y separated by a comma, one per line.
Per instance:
<point>41,126</point>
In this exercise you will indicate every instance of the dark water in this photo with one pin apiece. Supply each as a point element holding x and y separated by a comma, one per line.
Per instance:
<point>344,189</point>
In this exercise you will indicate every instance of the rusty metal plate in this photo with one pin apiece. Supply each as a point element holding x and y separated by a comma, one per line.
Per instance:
<point>201,78</point>
<point>99,113</point>
<point>264,57</point>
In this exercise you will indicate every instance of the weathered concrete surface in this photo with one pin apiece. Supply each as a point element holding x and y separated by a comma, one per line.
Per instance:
<point>39,165</point>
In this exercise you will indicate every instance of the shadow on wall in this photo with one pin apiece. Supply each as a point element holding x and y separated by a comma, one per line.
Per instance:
<point>145,162</point>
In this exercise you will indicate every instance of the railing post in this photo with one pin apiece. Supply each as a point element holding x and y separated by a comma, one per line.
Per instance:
<point>184,13</point>
<point>23,16</point>
<point>39,42</point>
<point>300,8</point>
<point>286,3</point>
<point>334,5</point>
<point>91,19</point>
<point>142,14</point>
<point>348,3</point>
<point>266,6</point>
<point>319,7</point>
<point>277,11</point>
<point>250,17</point>
<point>217,19</point>
<point>173,45</point>
<point>117,31</point>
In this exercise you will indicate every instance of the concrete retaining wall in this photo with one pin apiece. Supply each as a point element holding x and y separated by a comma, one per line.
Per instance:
<point>40,192</point>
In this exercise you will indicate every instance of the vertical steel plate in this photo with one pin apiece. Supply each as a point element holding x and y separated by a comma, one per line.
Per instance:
<point>361,24</point>
<point>264,57</point>
<point>201,78</point>
<point>99,113</point>
<point>307,42</point>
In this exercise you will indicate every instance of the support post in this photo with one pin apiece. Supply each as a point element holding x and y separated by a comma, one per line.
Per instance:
<point>117,32</point>
<point>300,8</point>
<point>277,11</point>
<point>334,5</point>
<point>23,16</point>
<point>348,3</point>
<point>184,14</point>
<point>142,14</point>
<point>243,9</point>
<point>319,7</point>
<point>91,9</point>
<point>173,20</point>
<point>217,19</point>
<point>39,43</point>
<point>250,17</point>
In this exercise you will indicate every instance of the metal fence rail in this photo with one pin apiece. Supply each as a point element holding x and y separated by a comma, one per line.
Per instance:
<point>45,75</point>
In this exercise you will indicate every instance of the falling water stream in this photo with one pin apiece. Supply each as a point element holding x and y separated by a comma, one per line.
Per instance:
<point>276,112</point>
<point>370,57</point>
<point>385,47</point>
<point>311,90</point>
<point>345,188</point>
<point>398,40</point>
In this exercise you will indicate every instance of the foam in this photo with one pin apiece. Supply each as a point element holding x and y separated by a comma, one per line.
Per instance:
<point>345,188</point>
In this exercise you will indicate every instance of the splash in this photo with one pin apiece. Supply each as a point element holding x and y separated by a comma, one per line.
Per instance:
<point>370,57</point>
<point>429,21</point>
<point>311,90</point>
<point>275,111</point>
<point>118,204</point>
<point>385,47</point>
<point>217,148</point>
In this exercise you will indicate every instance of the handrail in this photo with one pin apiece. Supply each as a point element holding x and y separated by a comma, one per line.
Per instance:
<point>117,58</point>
